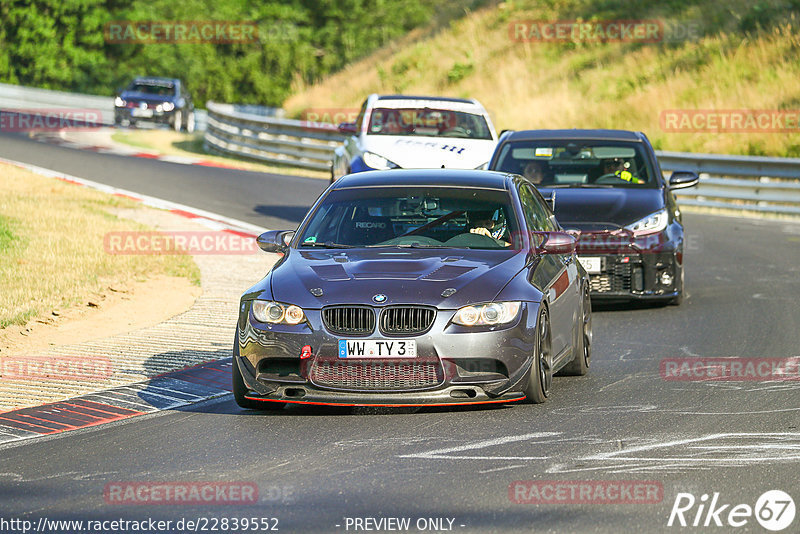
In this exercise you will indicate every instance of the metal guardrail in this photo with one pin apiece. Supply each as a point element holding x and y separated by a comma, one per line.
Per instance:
<point>734,182</point>
<point>275,140</point>
<point>757,183</point>
<point>31,99</point>
<point>754,183</point>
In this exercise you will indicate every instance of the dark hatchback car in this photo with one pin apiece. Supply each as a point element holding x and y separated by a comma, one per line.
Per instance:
<point>608,185</point>
<point>415,287</point>
<point>158,100</point>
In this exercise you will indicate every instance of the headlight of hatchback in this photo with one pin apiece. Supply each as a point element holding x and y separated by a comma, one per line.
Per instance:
<point>655,222</point>
<point>168,106</point>
<point>378,162</point>
<point>267,311</point>
<point>490,314</point>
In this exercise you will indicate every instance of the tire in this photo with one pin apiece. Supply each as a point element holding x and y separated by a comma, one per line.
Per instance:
<point>582,349</point>
<point>177,121</point>
<point>190,123</point>
<point>240,388</point>
<point>540,377</point>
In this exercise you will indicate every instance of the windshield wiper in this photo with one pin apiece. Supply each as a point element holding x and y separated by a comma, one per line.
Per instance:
<point>408,245</point>
<point>569,186</point>
<point>325,244</point>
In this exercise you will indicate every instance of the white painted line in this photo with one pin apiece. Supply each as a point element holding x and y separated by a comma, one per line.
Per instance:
<point>757,449</point>
<point>437,454</point>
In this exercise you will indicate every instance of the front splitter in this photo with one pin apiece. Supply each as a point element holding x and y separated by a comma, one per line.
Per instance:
<point>387,400</point>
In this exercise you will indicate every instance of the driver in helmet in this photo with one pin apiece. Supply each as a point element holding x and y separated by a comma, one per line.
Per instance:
<point>619,168</point>
<point>485,223</point>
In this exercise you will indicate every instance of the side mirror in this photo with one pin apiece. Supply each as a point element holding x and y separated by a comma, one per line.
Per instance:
<point>348,128</point>
<point>557,243</point>
<point>276,241</point>
<point>683,179</point>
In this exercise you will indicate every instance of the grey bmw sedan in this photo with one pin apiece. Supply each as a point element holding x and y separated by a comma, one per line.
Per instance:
<point>415,287</point>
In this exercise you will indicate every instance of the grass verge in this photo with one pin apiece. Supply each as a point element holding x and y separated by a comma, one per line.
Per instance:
<point>51,246</point>
<point>736,55</point>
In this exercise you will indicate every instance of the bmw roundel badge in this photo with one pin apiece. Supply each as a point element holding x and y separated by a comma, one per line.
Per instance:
<point>379,298</point>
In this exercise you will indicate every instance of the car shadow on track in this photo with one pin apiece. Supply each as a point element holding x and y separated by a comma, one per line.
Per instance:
<point>626,306</point>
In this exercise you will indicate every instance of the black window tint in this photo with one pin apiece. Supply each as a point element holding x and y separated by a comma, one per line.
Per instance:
<point>536,215</point>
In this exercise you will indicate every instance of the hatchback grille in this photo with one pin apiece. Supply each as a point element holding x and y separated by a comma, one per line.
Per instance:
<point>376,375</point>
<point>406,319</point>
<point>617,279</point>
<point>349,320</point>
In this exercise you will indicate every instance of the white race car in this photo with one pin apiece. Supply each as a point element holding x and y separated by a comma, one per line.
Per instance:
<point>415,132</point>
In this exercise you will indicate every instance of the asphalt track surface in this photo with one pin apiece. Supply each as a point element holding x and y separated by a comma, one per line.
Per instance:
<point>321,469</point>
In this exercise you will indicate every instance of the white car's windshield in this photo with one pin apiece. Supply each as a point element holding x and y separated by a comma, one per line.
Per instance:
<point>428,122</point>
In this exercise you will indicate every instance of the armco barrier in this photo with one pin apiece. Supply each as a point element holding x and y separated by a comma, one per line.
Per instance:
<point>732,182</point>
<point>754,183</point>
<point>271,139</point>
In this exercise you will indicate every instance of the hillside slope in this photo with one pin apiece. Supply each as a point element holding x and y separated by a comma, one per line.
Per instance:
<point>735,55</point>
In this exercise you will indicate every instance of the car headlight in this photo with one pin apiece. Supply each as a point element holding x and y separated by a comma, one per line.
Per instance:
<point>490,314</point>
<point>268,311</point>
<point>655,222</point>
<point>378,162</point>
<point>167,106</point>
<point>118,102</point>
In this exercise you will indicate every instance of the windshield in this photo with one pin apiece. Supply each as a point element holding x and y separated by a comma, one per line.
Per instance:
<point>412,217</point>
<point>428,122</point>
<point>152,89</point>
<point>552,164</point>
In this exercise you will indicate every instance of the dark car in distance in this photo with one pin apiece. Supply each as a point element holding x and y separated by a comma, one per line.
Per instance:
<point>415,287</point>
<point>157,100</point>
<point>608,185</point>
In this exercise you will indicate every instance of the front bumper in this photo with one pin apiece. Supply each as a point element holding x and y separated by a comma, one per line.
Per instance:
<point>641,276</point>
<point>454,365</point>
<point>158,117</point>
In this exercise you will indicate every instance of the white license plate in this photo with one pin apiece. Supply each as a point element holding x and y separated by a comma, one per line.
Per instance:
<point>139,112</point>
<point>377,348</point>
<point>592,265</point>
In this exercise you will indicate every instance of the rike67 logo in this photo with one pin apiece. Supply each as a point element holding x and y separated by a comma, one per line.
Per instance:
<point>774,510</point>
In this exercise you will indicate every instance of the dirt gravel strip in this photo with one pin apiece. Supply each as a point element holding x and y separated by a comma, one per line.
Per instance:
<point>204,333</point>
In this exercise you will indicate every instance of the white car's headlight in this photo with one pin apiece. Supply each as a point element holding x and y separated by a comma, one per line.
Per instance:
<point>490,314</point>
<point>655,222</point>
<point>378,162</point>
<point>168,106</point>
<point>118,102</point>
<point>268,311</point>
